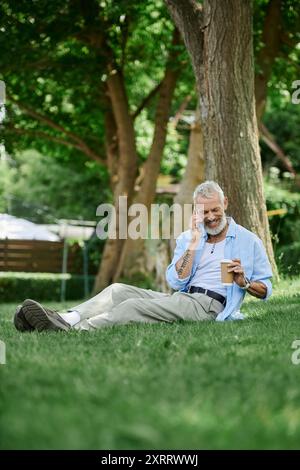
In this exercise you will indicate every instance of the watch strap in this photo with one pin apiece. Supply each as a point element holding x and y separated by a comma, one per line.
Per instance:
<point>248,283</point>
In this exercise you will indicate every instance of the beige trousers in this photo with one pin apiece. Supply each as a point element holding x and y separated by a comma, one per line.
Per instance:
<point>122,303</point>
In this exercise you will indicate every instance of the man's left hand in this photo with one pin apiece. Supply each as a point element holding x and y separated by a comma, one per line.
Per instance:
<point>238,272</point>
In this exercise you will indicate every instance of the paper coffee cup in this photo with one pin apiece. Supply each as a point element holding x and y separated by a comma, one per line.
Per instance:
<point>226,277</point>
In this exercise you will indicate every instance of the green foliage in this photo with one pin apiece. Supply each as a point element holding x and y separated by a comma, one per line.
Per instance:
<point>289,25</point>
<point>45,189</point>
<point>283,121</point>
<point>63,77</point>
<point>95,248</point>
<point>282,117</point>
<point>288,259</point>
<point>285,228</point>
<point>55,72</point>
<point>15,287</point>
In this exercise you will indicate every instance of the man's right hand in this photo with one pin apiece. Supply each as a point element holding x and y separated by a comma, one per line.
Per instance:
<point>197,219</point>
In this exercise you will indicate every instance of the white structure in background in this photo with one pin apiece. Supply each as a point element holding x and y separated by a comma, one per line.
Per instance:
<point>80,230</point>
<point>14,228</point>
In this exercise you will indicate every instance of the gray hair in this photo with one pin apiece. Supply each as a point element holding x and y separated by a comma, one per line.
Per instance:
<point>208,189</point>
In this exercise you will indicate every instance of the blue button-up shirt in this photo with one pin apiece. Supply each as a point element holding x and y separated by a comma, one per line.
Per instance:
<point>240,243</point>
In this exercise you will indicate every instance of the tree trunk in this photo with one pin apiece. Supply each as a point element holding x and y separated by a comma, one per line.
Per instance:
<point>111,144</point>
<point>133,256</point>
<point>195,168</point>
<point>162,261</point>
<point>194,171</point>
<point>219,40</point>
<point>231,134</point>
<point>123,180</point>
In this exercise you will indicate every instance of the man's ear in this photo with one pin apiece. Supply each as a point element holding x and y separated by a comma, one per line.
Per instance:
<point>225,203</point>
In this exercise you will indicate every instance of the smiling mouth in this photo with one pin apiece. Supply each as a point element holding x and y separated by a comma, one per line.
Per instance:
<point>212,223</point>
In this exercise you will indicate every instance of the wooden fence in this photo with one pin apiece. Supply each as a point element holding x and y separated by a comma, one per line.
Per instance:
<point>38,256</point>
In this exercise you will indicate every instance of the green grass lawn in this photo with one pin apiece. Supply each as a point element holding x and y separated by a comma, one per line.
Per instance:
<point>186,385</point>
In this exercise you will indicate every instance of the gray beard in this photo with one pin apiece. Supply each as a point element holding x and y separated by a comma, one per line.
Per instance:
<point>219,228</point>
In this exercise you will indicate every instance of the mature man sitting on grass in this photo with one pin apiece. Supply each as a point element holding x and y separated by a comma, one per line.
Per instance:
<point>194,273</point>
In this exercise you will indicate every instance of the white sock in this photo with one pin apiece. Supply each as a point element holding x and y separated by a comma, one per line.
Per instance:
<point>72,317</point>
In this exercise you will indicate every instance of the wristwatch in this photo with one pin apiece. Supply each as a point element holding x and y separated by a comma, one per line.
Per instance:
<point>247,285</point>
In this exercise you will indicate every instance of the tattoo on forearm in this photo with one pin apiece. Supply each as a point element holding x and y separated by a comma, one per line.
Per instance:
<point>185,261</point>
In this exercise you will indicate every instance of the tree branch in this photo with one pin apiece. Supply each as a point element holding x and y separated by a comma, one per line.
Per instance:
<point>146,100</point>
<point>80,144</point>
<point>187,8</point>
<point>44,119</point>
<point>180,111</point>
<point>267,137</point>
<point>189,19</point>
<point>42,135</point>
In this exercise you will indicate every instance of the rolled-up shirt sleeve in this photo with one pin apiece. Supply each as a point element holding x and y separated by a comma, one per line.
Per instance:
<point>171,274</point>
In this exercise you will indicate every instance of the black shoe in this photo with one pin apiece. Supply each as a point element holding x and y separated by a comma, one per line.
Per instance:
<point>42,318</point>
<point>20,321</point>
